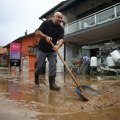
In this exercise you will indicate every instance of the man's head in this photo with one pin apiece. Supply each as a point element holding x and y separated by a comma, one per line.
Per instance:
<point>57,18</point>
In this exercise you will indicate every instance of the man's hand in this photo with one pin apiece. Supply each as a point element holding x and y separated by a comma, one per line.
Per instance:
<point>56,47</point>
<point>43,36</point>
<point>48,39</point>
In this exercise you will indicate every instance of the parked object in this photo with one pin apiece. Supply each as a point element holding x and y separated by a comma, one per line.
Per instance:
<point>79,89</point>
<point>93,67</point>
<point>115,55</point>
<point>75,65</point>
<point>110,61</point>
<point>93,62</point>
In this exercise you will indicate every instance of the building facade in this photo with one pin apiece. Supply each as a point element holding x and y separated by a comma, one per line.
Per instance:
<point>91,27</point>
<point>28,44</point>
<point>3,57</point>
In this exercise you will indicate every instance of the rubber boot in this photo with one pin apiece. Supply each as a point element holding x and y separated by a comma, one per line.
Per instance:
<point>36,79</point>
<point>37,87</point>
<point>52,84</point>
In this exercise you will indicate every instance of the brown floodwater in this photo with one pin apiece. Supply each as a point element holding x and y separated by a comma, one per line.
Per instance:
<point>19,100</point>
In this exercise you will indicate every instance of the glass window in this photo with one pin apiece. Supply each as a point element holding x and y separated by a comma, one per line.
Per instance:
<point>88,22</point>
<point>118,10</point>
<point>31,49</point>
<point>105,15</point>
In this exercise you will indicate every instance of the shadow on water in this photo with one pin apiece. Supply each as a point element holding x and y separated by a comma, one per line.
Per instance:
<point>19,98</point>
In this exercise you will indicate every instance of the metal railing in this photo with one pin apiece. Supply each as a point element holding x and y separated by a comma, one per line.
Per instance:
<point>100,17</point>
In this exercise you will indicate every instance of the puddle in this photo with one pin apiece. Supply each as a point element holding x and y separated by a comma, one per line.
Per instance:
<point>19,99</point>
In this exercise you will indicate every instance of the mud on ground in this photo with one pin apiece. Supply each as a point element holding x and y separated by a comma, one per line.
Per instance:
<point>19,100</point>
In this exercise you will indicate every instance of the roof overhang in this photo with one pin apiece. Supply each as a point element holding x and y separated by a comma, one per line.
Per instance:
<point>52,10</point>
<point>61,7</point>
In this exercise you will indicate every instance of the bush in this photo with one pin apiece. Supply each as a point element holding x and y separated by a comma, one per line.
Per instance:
<point>3,64</point>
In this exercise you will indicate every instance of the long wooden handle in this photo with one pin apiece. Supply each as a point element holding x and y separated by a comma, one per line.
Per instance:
<point>72,75</point>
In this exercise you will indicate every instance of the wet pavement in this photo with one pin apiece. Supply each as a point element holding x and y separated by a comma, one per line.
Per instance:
<point>19,100</point>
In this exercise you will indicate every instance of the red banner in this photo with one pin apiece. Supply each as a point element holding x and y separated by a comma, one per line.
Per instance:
<point>15,50</point>
<point>15,47</point>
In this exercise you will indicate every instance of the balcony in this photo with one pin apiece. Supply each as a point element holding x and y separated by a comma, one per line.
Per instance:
<point>94,20</point>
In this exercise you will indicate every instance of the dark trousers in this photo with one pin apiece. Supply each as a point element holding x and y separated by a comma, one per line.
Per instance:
<point>85,68</point>
<point>41,62</point>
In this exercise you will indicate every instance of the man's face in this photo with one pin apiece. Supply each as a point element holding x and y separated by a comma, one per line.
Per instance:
<point>58,19</point>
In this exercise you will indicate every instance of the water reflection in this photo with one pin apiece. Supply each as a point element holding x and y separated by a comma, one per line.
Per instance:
<point>65,104</point>
<point>14,90</point>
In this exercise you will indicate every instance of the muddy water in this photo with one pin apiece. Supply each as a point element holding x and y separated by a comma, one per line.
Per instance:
<point>19,100</point>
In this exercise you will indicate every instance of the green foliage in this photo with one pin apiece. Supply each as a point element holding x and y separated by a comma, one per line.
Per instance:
<point>3,64</point>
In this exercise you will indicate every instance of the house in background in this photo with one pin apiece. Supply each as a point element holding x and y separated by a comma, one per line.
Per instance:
<point>28,51</point>
<point>91,27</point>
<point>3,57</point>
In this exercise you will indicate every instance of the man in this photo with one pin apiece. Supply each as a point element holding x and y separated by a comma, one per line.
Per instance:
<point>85,59</point>
<point>84,68</point>
<point>49,30</point>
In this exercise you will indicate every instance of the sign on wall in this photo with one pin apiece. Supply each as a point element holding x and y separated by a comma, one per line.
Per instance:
<point>15,52</point>
<point>15,49</point>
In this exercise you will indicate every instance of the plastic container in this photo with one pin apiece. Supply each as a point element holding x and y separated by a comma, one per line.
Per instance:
<point>115,55</point>
<point>110,62</point>
<point>93,62</point>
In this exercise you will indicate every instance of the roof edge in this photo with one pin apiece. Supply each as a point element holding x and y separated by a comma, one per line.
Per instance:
<point>52,10</point>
